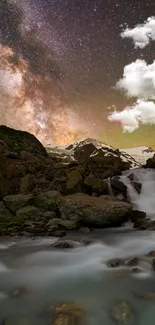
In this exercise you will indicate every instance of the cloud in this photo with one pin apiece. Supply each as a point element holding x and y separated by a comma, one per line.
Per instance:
<point>138,80</point>
<point>142,112</point>
<point>142,34</point>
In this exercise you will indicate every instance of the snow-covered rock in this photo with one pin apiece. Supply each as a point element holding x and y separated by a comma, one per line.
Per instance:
<point>141,154</point>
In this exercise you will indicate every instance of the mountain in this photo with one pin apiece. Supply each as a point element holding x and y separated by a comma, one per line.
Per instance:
<point>140,154</point>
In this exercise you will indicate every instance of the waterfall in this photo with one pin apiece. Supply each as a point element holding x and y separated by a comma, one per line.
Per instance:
<point>110,190</point>
<point>145,201</point>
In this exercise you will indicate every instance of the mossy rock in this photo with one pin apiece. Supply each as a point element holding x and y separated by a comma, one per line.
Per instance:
<point>17,141</point>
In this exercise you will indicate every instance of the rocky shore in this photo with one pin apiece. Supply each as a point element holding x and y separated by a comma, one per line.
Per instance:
<point>50,191</point>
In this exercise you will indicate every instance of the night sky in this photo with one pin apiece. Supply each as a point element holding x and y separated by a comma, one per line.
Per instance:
<point>77,58</point>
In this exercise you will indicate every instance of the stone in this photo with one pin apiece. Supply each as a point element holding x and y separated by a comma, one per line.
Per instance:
<point>66,244</point>
<point>123,314</point>
<point>49,214</point>
<point>16,202</point>
<point>153,264</point>
<point>94,211</point>
<point>18,141</point>
<point>58,233</point>
<point>47,200</point>
<point>115,262</point>
<point>61,319</point>
<point>74,182</point>
<point>53,224</point>
<point>27,183</point>
<point>137,216</point>
<point>118,186</point>
<point>134,261</point>
<point>68,224</point>
<point>29,212</point>
<point>3,147</point>
<point>71,309</point>
<point>94,184</point>
<point>4,212</point>
<point>84,230</point>
<point>152,253</point>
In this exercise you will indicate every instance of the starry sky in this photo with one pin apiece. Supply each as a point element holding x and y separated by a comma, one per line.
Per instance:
<point>75,46</point>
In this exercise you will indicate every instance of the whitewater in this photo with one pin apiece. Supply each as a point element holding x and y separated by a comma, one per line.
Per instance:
<point>83,275</point>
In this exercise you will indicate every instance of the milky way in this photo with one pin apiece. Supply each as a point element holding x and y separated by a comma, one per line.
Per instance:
<point>70,55</point>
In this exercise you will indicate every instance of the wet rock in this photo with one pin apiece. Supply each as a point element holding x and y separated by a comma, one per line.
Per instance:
<point>137,216</point>
<point>58,233</point>
<point>53,224</point>
<point>137,270</point>
<point>115,263</point>
<point>152,253</point>
<point>137,186</point>
<point>16,202</point>
<point>93,184</point>
<point>153,264</point>
<point>84,230</point>
<point>71,309</point>
<point>66,244</point>
<point>27,183</point>
<point>61,319</point>
<point>118,186</point>
<point>30,212</point>
<point>133,262</point>
<point>47,200</point>
<point>74,182</point>
<point>87,241</point>
<point>95,212</point>
<point>123,314</point>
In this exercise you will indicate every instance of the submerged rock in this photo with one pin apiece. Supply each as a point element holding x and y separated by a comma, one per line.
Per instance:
<point>66,244</point>
<point>116,262</point>
<point>123,314</point>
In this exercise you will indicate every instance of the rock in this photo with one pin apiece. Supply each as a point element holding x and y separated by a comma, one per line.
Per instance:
<point>94,211</point>
<point>29,212</point>
<point>150,162</point>
<point>95,185</point>
<point>68,224</point>
<point>3,147</point>
<point>16,202</point>
<point>137,216</point>
<point>18,141</point>
<point>47,200</point>
<point>87,241</point>
<point>134,261</point>
<point>74,182</point>
<point>71,309</point>
<point>25,155</point>
<point>118,186</point>
<point>12,155</point>
<point>137,270</point>
<point>27,183</point>
<point>4,212</point>
<point>123,314</point>
<point>61,319</point>
<point>152,253</point>
<point>153,264</point>
<point>115,262</point>
<point>49,214</point>
<point>84,230</point>
<point>53,224</point>
<point>66,244</point>
<point>137,186</point>
<point>58,233</point>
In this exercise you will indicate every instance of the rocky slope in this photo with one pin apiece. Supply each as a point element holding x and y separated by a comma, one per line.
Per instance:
<point>46,191</point>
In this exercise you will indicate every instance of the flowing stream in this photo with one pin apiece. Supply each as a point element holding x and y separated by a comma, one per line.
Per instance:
<point>81,275</point>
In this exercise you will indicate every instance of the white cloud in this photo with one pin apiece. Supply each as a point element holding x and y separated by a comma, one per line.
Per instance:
<point>142,34</point>
<point>132,116</point>
<point>138,80</point>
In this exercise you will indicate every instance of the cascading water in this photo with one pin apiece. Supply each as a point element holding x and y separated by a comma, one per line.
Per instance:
<point>145,200</point>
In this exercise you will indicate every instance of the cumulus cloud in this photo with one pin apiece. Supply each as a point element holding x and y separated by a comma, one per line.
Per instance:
<point>141,34</point>
<point>138,80</point>
<point>132,116</point>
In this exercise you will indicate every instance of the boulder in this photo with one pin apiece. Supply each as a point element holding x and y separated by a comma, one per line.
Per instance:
<point>3,147</point>
<point>29,212</point>
<point>137,216</point>
<point>94,211</point>
<point>47,200</point>
<point>66,244</point>
<point>94,184</point>
<point>118,186</point>
<point>27,183</point>
<point>74,182</point>
<point>4,212</point>
<point>16,202</point>
<point>18,141</point>
<point>68,224</point>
